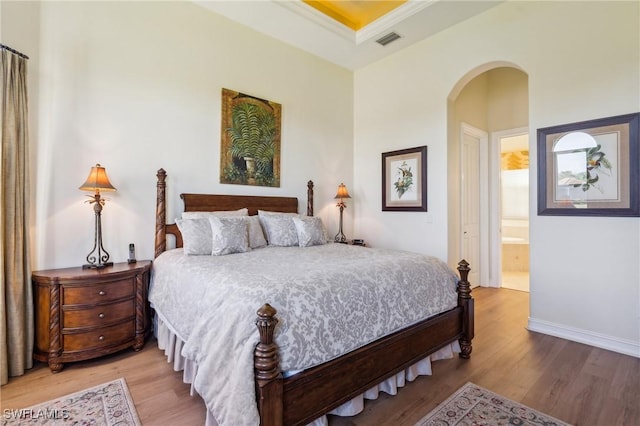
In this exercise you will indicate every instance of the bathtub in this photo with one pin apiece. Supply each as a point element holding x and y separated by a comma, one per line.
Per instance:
<point>515,245</point>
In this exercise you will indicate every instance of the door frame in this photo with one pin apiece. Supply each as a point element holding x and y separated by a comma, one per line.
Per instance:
<point>483,199</point>
<point>495,209</point>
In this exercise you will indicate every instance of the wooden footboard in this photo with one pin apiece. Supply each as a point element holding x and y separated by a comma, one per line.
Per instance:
<point>303,397</point>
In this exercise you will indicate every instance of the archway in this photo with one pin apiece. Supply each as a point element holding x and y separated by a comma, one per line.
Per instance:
<point>492,98</point>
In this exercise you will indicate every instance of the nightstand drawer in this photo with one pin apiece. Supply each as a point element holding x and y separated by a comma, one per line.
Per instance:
<point>97,293</point>
<point>99,315</point>
<point>102,337</point>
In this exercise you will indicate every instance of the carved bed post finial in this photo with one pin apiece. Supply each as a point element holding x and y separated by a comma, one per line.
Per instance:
<point>310,198</point>
<point>463,269</point>
<point>161,213</point>
<point>466,302</point>
<point>266,354</point>
<point>269,386</point>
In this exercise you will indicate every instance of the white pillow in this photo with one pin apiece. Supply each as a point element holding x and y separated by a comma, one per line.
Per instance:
<point>229,235</point>
<point>196,236</point>
<point>279,228</point>
<point>219,213</point>
<point>256,234</point>
<point>310,231</point>
<point>196,229</point>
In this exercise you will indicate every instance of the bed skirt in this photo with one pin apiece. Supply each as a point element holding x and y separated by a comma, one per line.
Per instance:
<point>172,344</point>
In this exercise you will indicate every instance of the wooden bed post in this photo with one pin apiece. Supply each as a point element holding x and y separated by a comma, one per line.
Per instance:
<point>466,302</point>
<point>161,214</point>
<point>269,387</point>
<point>310,198</point>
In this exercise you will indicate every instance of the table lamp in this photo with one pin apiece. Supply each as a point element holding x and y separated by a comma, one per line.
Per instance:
<point>341,195</point>
<point>97,181</point>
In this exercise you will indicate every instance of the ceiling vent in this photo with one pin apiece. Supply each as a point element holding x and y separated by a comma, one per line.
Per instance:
<point>392,36</point>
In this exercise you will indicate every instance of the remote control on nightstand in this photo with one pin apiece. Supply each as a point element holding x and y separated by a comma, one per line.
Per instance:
<point>132,253</point>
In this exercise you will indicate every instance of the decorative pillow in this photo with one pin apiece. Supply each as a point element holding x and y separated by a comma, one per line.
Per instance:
<point>310,231</point>
<point>196,236</point>
<point>219,213</point>
<point>196,229</point>
<point>229,235</point>
<point>279,229</point>
<point>256,234</point>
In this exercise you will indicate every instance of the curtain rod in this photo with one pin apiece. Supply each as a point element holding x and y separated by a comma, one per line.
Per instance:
<point>22,55</point>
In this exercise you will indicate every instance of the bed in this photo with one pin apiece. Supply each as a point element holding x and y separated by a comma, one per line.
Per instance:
<point>332,377</point>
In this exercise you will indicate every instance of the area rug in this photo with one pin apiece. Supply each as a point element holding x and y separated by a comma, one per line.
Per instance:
<point>108,404</point>
<point>474,405</point>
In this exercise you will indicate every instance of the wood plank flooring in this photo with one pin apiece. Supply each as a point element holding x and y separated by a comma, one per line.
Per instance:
<point>576,383</point>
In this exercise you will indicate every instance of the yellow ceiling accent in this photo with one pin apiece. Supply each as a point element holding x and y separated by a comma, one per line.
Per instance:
<point>355,14</point>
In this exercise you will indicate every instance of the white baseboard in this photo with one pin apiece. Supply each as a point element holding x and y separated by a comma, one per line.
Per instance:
<point>616,344</point>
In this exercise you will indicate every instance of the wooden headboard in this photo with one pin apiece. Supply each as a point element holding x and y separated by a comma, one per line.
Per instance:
<point>217,202</point>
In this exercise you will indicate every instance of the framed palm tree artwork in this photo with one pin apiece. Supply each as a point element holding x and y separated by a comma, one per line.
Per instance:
<point>250,140</point>
<point>404,180</point>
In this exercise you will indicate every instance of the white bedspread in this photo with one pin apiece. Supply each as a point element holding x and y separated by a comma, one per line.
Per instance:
<point>330,299</point>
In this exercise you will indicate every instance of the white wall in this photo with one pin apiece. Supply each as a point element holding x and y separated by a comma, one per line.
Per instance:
<point>136,86</point>
<point>583,62</point>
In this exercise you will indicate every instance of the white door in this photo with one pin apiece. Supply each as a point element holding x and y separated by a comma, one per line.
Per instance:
<point>474,158</point>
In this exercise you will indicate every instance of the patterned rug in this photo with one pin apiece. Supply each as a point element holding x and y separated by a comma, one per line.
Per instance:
<point>473,405</point>
<point>108,404</point>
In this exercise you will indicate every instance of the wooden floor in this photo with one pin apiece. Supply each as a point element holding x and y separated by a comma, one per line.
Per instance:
<point>576,383</point>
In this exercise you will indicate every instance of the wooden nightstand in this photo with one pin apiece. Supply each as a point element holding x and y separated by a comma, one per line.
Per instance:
<point>86,313</point>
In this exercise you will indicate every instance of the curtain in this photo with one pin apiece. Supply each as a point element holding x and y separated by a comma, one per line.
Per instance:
<point>16,308</point>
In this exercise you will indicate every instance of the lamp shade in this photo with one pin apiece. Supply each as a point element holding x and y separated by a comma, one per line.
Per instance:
<point>342,192</point>
<point>97,180</point>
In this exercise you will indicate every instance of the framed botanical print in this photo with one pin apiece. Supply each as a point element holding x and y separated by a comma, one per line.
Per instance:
<point>404,180</point>
<point>590,168</point>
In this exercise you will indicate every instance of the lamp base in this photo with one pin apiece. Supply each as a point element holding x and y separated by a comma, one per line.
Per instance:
<point>97,266</point>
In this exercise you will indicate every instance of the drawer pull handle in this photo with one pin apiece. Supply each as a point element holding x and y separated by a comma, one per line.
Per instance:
<point>101,338</point>
<point>101,315</point>
<point>101,293</point>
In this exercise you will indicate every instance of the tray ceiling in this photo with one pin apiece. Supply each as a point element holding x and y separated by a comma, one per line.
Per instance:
<point>326,29</point>
<point>355,14</point>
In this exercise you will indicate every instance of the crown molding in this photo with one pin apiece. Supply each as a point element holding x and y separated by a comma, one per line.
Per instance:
<point>386,22</point>
<point>374,29</point>
<point>302,9</point>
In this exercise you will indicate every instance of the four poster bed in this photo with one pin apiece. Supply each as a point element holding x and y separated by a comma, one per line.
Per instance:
<point>301,364</point>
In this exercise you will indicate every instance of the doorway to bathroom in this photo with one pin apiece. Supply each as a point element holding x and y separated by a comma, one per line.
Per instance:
<point>514,211</point>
